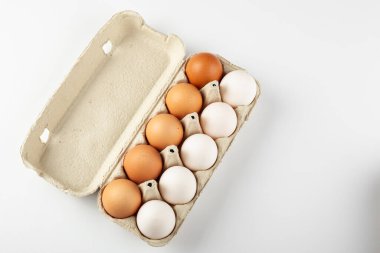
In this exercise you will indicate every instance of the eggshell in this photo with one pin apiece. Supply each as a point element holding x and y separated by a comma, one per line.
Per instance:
<point>177,185</point>
<point>164,130</point>
<point>238,88</point>
<point>155,219</point>
<point>218,120</point>
<point>142,163</point>
<point>182,99</point>
<point>199,152</point>
<point>121,198</point>
<point>203,68</point>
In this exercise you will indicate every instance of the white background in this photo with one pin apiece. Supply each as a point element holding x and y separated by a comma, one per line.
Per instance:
<point>303,175</point>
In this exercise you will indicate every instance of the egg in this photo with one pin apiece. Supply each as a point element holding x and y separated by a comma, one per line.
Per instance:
<point>121,198</point>
<point>218,120</point>
<point>164,130</point>
<point>203,68</point>
<point>177,185</point>
<point>182,99</point>
<point>199,152</point>
<point>238,88</point>
<point>156,219</point>
<point>142,162</point>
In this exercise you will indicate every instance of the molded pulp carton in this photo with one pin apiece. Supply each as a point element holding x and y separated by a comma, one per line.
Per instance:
<point>102,107</point>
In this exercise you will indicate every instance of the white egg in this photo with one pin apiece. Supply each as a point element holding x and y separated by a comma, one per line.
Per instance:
<point>155,219</point>
<point>177,185</point>
<point>199,152</point>
<point>218,120</point>
<point>238,88</point>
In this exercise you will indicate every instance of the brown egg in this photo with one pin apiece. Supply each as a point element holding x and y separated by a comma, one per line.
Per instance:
<point>164,130</point>
<point>142,163</point>
<point>121,198</point>
<point>203,68</point>
<point>182,99</point>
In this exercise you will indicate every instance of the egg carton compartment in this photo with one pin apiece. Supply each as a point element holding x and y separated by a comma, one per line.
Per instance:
<point>102,107</point>
<point>171,155</point>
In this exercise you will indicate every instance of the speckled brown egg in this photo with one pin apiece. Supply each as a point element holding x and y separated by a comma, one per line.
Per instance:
<point>121,198</point>
<point>182,99</point>
<point>203,68</point>
<point>164,130</point>
<point>142,163</point>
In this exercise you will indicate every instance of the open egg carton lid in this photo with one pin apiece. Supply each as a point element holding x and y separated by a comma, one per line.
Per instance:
<point>89,122</point>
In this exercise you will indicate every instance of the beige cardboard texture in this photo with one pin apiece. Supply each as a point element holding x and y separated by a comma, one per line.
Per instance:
<point>101,110</point>
<point>101,103</point>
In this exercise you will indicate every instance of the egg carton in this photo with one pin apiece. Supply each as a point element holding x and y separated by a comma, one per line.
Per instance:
<point>101,110</point>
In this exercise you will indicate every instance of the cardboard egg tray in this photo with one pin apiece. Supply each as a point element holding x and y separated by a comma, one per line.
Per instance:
<point>101,110</point>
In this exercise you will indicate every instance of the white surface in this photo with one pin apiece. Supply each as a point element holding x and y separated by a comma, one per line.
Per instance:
<point>303,175</point>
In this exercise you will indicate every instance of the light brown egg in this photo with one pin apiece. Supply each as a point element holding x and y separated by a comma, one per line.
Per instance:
<point>142,163</point>
<point>164,130</point>
<point>203,68</point>
<point>182,99</point>
<point>121,198</point>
